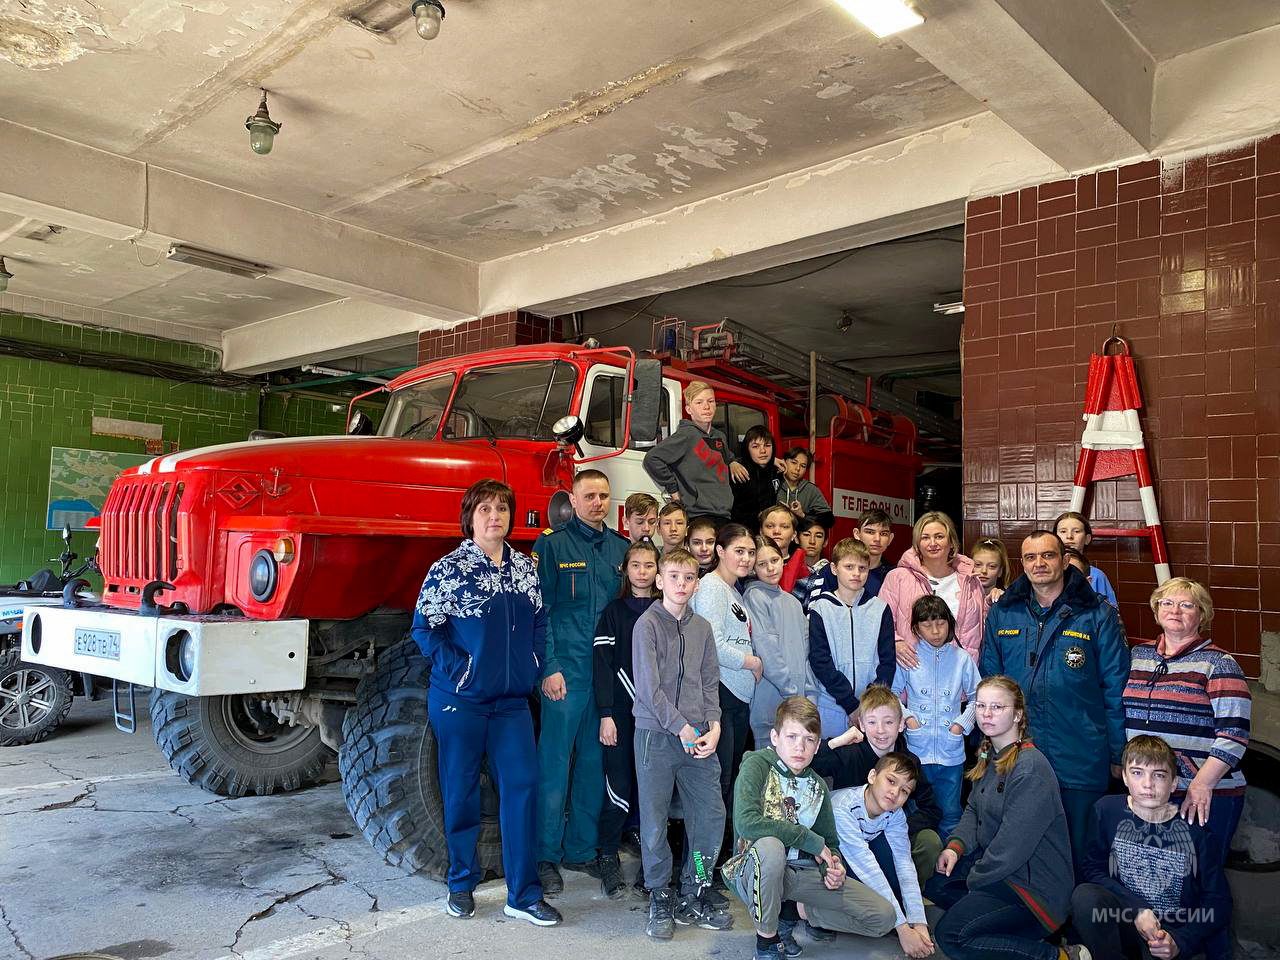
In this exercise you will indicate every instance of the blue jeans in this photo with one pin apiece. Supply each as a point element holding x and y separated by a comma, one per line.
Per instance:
<point>1078,806</point>
<point>982,926</point>
<point>1224,817</point>
<point>946,790</point>
<point>466,733</point>
<point>570,773</point>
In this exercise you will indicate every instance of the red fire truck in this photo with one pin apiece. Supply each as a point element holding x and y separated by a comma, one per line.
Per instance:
<point>263,590</point>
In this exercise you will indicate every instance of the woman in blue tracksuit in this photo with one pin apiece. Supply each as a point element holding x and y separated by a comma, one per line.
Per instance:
<point>481,622</point>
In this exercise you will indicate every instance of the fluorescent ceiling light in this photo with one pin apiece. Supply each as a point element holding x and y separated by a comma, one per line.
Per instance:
<point>883,17</point>
<point>217,261</point>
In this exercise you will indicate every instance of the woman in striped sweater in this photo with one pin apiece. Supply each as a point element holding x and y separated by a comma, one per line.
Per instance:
<point>1194,695</point>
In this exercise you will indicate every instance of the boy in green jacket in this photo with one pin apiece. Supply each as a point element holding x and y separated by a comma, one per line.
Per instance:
<point>786,843</point>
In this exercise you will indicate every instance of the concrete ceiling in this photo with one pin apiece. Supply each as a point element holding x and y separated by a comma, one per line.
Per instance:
<point>53,262</point>
<point>557,156</point>
<point>870,309</point>
<point>1168,28</point>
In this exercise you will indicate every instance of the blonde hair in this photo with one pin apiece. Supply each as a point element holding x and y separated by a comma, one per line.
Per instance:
<point>878,695</point>
<point>1186,585</point>
<point>677,556</point>
<point>936,516</point>
<point>992,545</point>
<point>988,751</point>
<point>849,547</point>
<point>695,389</point>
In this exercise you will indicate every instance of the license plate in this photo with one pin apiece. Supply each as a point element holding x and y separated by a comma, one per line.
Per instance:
<point>104,644</point>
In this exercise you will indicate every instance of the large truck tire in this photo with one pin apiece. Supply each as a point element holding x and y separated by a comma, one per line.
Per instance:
<point>230,745</point>
<point>390,777</point>
<point>34,699</point>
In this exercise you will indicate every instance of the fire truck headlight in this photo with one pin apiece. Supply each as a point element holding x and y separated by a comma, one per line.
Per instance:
<point>263,576</point>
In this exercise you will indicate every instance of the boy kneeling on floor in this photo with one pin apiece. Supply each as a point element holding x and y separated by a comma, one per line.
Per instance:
<point>788,849</point>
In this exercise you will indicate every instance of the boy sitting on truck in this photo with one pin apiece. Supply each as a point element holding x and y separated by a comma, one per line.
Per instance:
<point>694,464</point>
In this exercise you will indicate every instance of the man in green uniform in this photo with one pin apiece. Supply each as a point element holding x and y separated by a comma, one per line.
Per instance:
<point>579,570</point>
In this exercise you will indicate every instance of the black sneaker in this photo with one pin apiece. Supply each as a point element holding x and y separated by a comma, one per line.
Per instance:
<point>661,925</point>
<point>590,867</point>
<point>631,842</point>
<point>549,877</point>
<point>694,910</point>
<point>540,913</point>
<point>714,896</point>
<point>612,882</point>
<point>816,934</point>
<point>787,937</point>
<point>461,905</point>
<point>769,953</point>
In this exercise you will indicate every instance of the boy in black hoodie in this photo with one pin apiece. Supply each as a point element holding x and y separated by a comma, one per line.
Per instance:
<point>847,759</point>
<point>695,464</point>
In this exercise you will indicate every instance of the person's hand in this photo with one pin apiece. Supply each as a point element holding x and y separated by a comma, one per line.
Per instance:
<point>1195,806</point>
<point>913,723</point>
<point>947,861</point>
<point>1116,772</point>
<point>1147,924</point>
<point>796,508</point>
<point>957,729</point>
<point>914,939</point>
<point>688,738</point>
<point>738,472</point>
<point>755,665</point>
<point>835,874</point>
<point>706,744</point>
<point>553,686</point>
<point>995,594</point>
<point>852,735</point>
<point>1163,946</point>
<point>907,658</point>
<point>608,732</point>
<point>674,497</point>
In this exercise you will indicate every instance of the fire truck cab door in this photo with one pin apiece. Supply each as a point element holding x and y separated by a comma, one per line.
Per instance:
<point>603,414</point>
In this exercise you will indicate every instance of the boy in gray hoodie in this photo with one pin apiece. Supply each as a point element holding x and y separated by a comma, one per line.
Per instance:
<point>677,713</point>
<point>695,463</point>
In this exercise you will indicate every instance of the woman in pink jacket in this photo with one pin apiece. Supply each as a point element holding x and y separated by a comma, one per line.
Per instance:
<point>935,565</point>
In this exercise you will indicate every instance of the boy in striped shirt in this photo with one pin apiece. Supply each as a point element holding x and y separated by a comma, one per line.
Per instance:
<point>864,813</point>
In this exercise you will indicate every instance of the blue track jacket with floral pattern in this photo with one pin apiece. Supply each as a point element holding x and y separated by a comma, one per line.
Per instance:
<point>483,627</point>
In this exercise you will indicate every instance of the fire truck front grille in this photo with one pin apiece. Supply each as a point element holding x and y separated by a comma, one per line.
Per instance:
<point>140,531</point>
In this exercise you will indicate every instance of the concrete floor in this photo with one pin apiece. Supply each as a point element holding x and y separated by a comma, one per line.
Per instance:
<point>104,850</point>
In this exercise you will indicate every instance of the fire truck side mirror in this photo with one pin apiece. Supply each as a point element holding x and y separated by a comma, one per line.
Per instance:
<point>646,403</point>
<point>361,425</point>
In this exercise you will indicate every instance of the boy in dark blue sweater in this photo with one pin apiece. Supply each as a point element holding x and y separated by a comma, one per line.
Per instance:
<point>1153,887</point>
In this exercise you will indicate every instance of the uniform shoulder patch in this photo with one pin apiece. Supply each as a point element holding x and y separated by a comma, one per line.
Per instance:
<point>547,531</point>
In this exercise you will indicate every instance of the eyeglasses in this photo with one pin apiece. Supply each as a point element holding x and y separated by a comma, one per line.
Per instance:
<point>1184,605</point>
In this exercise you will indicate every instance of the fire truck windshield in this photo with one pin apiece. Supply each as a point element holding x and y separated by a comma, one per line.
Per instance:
<point>511,401</point>
<point>414,411</point>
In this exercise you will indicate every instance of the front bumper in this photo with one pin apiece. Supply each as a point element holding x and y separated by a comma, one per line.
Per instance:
<point>199,656</point>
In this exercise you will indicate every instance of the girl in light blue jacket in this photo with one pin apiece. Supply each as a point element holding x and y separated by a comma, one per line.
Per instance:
<point>935,692</point>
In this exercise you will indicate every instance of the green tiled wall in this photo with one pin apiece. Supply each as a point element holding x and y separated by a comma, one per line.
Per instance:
<point>43,405</point>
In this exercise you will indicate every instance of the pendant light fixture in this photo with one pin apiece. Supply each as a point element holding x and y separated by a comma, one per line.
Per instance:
<point>427,15</point>
<point>262,129</point>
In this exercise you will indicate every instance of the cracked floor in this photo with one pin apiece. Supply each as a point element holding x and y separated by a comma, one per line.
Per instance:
<point>104,850</point>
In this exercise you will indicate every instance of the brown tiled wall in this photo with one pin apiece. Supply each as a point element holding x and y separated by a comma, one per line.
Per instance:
<point>1182,258</point>
<point>486,333</point>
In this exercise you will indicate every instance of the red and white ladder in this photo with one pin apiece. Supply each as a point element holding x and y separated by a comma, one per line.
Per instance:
<point>1112,445</point>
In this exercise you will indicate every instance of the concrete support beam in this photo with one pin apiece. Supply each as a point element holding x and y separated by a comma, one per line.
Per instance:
<point>1067,76</point>
<point>60,181</point>
<point>1218,95</point>
<point>321,333</point>
<point>907,186</point>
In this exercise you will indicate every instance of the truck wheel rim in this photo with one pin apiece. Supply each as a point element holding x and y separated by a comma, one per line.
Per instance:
<point>268,735</point>
<point>26,698</point>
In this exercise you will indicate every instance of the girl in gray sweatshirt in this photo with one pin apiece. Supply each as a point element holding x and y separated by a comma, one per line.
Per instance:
<point>780,635</point>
